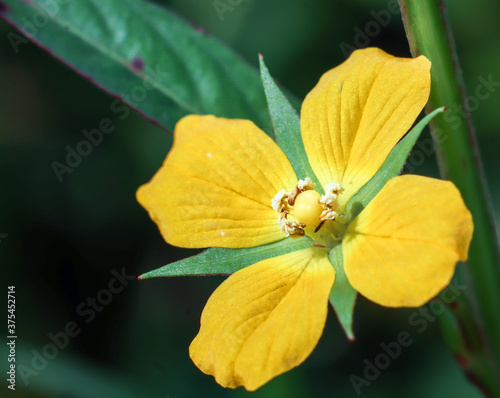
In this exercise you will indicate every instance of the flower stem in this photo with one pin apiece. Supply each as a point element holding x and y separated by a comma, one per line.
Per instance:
<point>462,336</point>
<point>429,33</point>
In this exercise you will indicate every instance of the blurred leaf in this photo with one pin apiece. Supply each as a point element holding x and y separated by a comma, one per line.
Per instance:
<point>343,295</point>
<point>286,126</point>
<point>145,55</point>
<point>219,261</point>
<point>391,167</point>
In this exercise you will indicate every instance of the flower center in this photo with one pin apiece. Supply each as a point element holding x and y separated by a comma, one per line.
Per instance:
<point>306,212</point>
<point>308,209</point>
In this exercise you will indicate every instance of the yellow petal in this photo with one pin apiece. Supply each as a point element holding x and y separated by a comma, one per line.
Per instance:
<point>358,111</point>
<point>264,319</point>
<point>402,248</point>
<point>216,185</point>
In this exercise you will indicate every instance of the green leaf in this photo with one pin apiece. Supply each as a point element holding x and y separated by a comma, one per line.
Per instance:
<point>343,295</point>
<point>145,55</point>
<point>219,261</point>
<point>286,126</point>
<point>391,167</point>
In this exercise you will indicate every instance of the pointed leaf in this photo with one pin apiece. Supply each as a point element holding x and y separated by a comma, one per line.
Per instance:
<point>391,167</point>
<point>343,295</point>
<point>286,126</point>
<point>219,261</point>
<point>145,55</point>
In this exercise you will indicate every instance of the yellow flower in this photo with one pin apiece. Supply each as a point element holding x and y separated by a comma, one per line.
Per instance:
<point>225,183</point>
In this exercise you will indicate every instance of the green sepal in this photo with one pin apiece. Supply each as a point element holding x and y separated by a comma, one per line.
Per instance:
<point>343,295</point>
<point>220,261</point>
<point>286,125</point>
<point>391,167</point>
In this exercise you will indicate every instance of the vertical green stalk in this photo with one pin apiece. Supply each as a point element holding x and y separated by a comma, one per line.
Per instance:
<point>429,34</point>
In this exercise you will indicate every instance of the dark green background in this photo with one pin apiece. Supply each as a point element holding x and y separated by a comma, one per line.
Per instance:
<point>65,238</point>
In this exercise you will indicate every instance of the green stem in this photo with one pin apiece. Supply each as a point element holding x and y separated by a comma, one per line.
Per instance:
<point>462,336</point>
<point>429,34</point>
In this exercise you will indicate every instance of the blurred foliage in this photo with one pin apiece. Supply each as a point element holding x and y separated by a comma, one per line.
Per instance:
<point>65,238</point>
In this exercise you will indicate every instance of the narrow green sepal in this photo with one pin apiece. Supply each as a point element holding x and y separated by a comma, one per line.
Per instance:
<point>391,167</point>
<point>343,296</point>
<point>220,261</point>
<point>286,125</point>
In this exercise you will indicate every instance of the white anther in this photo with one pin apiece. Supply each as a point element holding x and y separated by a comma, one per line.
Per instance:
<point>328,215</point>
<point>329,199</point>
<point>333,188</point>
<point>290,228</point>
<point>306,184</point>
<point>279,201</point>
